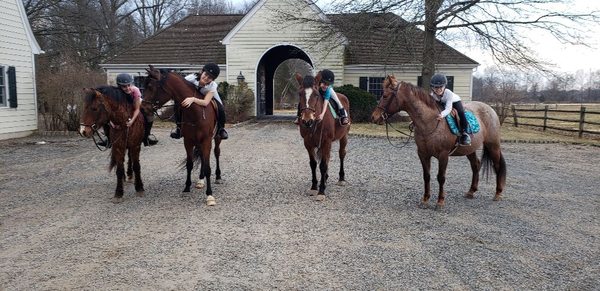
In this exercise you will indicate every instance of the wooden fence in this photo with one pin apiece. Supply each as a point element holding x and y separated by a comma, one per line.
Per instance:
<point>581,121</point>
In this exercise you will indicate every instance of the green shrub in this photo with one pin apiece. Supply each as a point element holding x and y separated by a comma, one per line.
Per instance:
<point>239,101</point>
<point>362,103</point>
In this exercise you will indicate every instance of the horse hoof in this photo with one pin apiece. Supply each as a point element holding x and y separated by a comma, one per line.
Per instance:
<point>342,183</point>
<point>320,197</point>
<point>312,192</point>
<point>116,200</point>
<point>423,205</point>
<point>497,197</point>
<point>200,184</point>
<point>439,207</point>
<point>210,201</point>
<point>140,194</point>
<point>469,196</point>
<point>218,181</point>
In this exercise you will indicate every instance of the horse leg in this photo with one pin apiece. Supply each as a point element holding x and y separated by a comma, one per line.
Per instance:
<point>500,170</point>
<point>343,143</point>
<point>324,167</point>
<point>205,169</point>
<point>189,165</point>
<point>217,152</point>
<point>120,171</point>
<point>313,169</point>
<point>135,156</point>
<point>441,177</point>
<point>475,166</point>
<point>426,165</point>
<point>129,167</point>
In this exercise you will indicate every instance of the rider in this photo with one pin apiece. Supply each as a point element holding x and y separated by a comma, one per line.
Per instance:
<point>204,81</point>
<point>326,90</point>
<point>449,100</point>
<point>125,83</point>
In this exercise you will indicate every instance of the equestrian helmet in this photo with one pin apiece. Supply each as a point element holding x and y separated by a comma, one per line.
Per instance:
<point>124,79</point>
<point>212,70</point>
<point>328,76</point>
<point>438,80</point>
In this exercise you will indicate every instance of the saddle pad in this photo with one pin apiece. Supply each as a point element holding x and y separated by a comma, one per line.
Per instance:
<point>473,124</point>
<point>332,111</point>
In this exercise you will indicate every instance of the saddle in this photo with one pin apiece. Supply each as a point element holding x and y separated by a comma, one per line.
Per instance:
<point>454,122</point>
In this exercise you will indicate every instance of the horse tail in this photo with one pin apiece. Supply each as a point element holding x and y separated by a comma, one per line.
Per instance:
<point>486,161</point>
<point>197,159</point>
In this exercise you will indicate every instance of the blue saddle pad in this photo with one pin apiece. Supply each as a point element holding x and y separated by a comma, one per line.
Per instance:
<point>473,124</point>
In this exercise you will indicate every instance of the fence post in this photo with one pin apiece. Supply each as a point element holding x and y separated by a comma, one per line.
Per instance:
<point>581,120</point>
<point>545,117</point>
<point>514,112</point>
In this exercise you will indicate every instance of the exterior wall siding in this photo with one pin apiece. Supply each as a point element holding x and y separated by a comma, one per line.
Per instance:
<point>15,50</point>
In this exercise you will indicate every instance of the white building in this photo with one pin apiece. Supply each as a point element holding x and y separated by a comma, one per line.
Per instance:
<point>18,100</point>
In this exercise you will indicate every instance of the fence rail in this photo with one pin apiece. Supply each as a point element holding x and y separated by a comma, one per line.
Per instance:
<point>581,121</point>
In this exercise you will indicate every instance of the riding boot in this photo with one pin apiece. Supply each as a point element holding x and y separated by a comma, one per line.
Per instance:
<point>465,139</point>
<point>147,140</point>
<point>106,143</point>
<point>221,122</point>
<point>177,133</point>
<point>343,116</point>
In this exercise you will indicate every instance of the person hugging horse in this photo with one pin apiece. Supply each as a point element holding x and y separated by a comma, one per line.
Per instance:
<point>449,100</point>
<point>326,90</point>
<point>205,84</point>
<point>125,84</point>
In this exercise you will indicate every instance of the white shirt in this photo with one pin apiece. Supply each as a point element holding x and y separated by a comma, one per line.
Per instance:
<point>210,87</point>
<point>448,97</point>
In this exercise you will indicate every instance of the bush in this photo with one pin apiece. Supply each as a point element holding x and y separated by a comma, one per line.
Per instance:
<point>239,101</point>
<point>362,103</point>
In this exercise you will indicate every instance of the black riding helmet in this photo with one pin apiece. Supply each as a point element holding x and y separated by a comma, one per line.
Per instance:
<point>327,76</point>
<point>124,79</point>
<point>438,80</point>
<point>212,70</point>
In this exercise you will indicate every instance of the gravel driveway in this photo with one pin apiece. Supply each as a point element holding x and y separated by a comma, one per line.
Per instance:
<point>59,230</point>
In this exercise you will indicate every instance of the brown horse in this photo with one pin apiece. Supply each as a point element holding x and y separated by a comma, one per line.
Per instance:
<point>319,135</point>
<point>434,138</point>
<point>109,104</point>
<point>198,124</point>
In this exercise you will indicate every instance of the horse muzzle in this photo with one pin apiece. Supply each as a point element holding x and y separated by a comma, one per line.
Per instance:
<point>86,130</point>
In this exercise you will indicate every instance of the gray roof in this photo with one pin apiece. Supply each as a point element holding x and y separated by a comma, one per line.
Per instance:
<point>196,40</point>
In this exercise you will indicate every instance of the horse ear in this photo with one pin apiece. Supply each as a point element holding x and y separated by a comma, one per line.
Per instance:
<point>298,78</point>
<point>318,78</point>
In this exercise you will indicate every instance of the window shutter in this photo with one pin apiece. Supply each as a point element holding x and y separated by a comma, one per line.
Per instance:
<point>362,83</point>
<point>12,87</point>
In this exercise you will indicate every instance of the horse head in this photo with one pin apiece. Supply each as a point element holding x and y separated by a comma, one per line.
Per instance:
<point>310,100</point>
<point>154,93</point>
<point>94,113</point>
<point>390,102</point>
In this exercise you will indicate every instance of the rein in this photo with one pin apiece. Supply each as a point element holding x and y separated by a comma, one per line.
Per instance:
<point>95,133</point>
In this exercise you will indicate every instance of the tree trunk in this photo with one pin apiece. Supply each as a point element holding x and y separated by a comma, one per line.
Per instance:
<point>431,10</point>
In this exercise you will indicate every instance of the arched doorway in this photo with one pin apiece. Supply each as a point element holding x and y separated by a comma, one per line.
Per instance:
<point>265,72</point>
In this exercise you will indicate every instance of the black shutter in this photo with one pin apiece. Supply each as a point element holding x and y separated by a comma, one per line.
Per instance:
<point>12,87</point>
<point>362,83</point>
<point>420,81</point>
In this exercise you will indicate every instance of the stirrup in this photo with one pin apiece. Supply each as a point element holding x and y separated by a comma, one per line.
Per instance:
<point>465,140</point>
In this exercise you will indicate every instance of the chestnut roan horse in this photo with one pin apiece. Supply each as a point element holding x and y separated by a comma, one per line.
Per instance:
<point>109,104</point>
<point>434,139</point>
<point>319,135</point>
<point>198,124</point>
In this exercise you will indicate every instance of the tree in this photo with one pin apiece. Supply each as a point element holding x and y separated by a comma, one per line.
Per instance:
<point>497,26</point>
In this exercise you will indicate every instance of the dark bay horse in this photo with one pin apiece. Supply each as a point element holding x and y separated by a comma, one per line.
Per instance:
<point>109,104</point>
<point>198,124</point>
<point>434,139</point>
<point>319,135</point>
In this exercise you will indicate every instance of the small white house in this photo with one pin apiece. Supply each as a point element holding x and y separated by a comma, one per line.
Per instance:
<point>255,44</point>
<point>18,100</point>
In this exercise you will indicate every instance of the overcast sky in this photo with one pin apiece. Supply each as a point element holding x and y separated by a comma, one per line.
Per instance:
<point>568,58</point>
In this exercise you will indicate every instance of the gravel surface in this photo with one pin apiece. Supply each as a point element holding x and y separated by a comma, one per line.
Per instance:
<point>59,230</point>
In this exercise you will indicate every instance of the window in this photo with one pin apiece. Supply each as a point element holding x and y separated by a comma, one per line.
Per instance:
<point>449,86</point>
<point>139,81</point>
<point>3,87</point>
<point>373,85</point>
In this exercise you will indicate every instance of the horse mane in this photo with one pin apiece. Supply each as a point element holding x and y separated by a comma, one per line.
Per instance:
<point>113,93</point>
<point>421,94</point>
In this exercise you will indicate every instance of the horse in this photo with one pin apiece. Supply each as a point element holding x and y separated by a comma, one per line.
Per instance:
<point>198,124</point>
<point>319,135</point>
<point>434,139</point>
<point>107,104</point>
